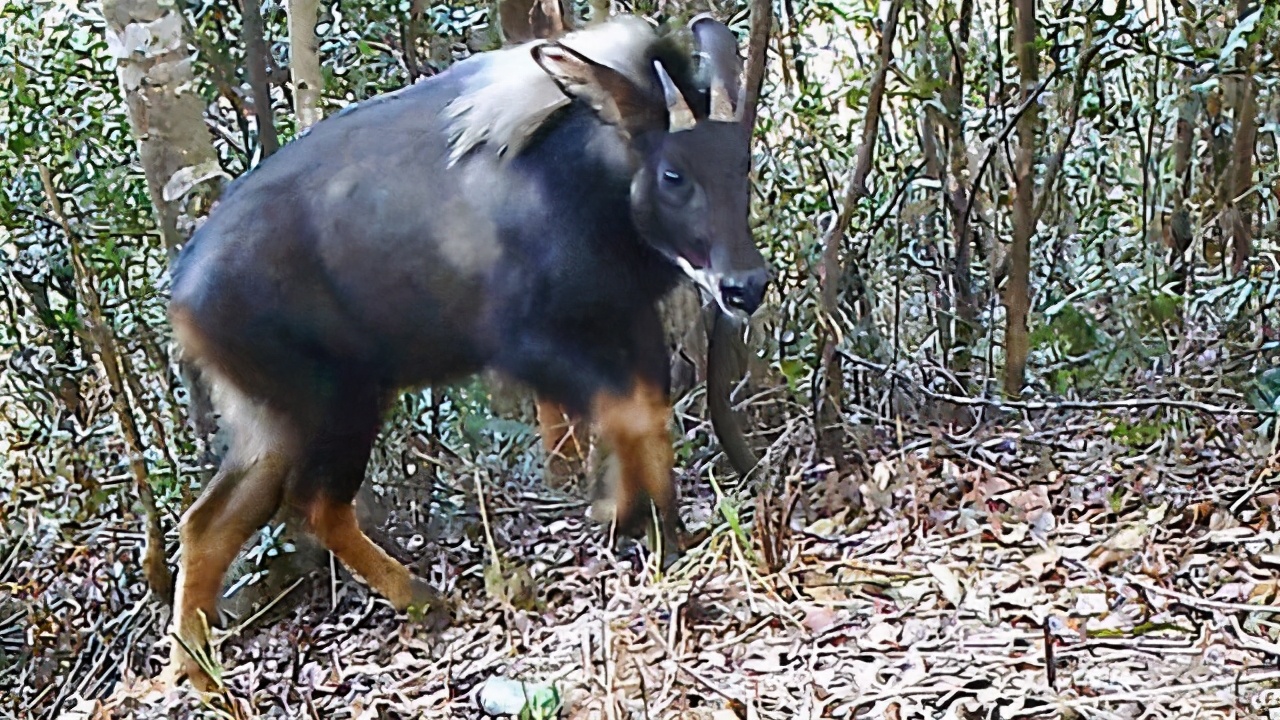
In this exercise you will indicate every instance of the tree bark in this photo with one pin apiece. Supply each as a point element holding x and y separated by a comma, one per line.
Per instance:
<point>150,44</point>
<point>1017,291</point>
<point>726,367</point>
<point>827,412</point>
<point>960,186</point>
<point>1239,214</point>
<point>757,58</point>
<point>255,52</point>
<point>304,62</point>
<point>956,185</point>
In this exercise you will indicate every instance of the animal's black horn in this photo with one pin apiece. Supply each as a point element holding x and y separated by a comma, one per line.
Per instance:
<point>680,116</point>
<point>721,66</point>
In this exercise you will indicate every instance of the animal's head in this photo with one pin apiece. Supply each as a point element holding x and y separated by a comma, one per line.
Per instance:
<point>690,191</point>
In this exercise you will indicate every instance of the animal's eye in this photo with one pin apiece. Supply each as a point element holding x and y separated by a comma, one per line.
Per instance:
<point>673,178</point>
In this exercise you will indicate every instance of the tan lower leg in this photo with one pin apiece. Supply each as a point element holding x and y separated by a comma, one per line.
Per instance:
<point>564,444</point>
<point>336,526</point>
<point>635,427</point>
<point>558,431</point>
<point>236,503</point>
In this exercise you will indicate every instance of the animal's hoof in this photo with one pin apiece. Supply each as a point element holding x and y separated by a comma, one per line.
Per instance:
<point>692,539</point>
<point>669,546</point>
<point>181,666</point>
<point>428,607</point>
<point>561,473</point>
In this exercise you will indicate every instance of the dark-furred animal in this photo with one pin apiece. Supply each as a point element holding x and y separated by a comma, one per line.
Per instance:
<point>523,212</point>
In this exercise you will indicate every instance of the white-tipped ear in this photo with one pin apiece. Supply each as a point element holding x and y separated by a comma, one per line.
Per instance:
<point>614,98</point>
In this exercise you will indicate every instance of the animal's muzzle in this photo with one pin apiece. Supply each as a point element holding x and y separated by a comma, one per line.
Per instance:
<point>744,290</point>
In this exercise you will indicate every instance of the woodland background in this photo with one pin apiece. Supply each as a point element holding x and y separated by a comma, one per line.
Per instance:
<point>1013,395</point>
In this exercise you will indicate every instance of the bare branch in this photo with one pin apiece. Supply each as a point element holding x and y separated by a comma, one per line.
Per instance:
<point>98,337</point>
<point>304,62</point>
<point>255,47</point>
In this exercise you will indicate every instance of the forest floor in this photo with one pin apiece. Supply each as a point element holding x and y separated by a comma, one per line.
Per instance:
<point>1065,567</point>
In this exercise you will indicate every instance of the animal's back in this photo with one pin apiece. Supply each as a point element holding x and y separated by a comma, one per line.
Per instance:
<point>372,247</point>
<point>318,258</point>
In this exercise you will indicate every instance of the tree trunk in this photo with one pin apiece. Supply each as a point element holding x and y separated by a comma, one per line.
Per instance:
<point>757,57</point>
<point>1239,213</point>
<point>149,41</point>
<point>304,62</point>
<point>956,187</point>
<point>827,413</point>
<point>959,185</point>
<point>255,58</point>
<point>1178,224</point>
<point>1017,291</point>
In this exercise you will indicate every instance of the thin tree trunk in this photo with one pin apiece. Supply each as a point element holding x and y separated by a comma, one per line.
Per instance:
<point>304,62</point>
<point>1018,290</point>
<point>1178,224</point>
<point>98,339</point>
<point>793,37</point>
<point>255,47</point>
<point>1240,205</point>
<point>150,44</point>
<point>149,41</point>
<point>959,186</point>
<point>827,413</point>
<point>757,58</point>
<point>944,129</point>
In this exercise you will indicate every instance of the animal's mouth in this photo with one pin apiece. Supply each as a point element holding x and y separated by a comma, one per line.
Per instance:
<point>708,282</point>
<point>699,259</point>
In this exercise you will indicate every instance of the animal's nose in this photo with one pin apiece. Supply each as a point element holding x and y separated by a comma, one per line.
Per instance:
<point>744,290</point>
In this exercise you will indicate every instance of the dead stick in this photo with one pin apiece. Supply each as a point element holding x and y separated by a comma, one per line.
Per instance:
<point>100,340</point>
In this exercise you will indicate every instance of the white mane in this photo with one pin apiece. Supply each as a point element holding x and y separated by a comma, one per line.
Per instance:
<point>511,97</point>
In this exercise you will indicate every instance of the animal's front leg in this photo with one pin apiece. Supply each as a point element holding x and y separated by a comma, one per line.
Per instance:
<point>634,424</point>
<point>621,381</point>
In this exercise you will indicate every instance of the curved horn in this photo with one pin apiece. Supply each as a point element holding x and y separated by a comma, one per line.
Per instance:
<point>679,114</point>
<point>718,49</point>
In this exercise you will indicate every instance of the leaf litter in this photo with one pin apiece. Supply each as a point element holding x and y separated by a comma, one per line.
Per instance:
<point>987,577</point>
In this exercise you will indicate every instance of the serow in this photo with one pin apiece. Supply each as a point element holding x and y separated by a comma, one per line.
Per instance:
<point>522,212</point>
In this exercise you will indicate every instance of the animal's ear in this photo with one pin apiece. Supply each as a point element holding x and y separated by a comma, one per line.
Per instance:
<point>613,96</point>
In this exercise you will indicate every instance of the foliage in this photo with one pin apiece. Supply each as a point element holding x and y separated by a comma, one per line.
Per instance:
<point>1113,313</point>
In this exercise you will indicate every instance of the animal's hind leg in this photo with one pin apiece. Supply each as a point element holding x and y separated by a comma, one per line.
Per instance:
<point>334,523</point>
<point>564,440</point>
<point>325,490</point>
<point>240,499</point>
